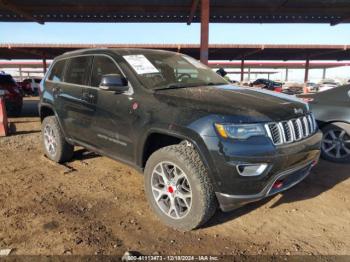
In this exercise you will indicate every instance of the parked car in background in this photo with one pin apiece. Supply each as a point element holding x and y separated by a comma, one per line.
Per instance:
<point>332,112</point>
<point>236,82</point>
<point>292,88</point>
<point>267,84</point>
<point>326,85</point>
<point>32,86</point>
<point>312,87</point>
<point>25,88</point>
<point>200,141</point>
<point>13,96</point>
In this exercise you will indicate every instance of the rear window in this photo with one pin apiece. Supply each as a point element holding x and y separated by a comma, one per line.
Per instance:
<point>6,80</point>
<point>56,74</point>
<point>37,80</point>
<point>78,70</point>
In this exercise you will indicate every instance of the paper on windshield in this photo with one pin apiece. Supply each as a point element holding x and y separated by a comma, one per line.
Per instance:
<point>141,64</point>
<point>195,62</point>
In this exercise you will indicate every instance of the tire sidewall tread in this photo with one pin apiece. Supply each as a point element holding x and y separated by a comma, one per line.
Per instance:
<point>204,203</point>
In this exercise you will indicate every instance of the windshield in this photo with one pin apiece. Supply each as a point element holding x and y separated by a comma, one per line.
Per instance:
<point>160,70</point>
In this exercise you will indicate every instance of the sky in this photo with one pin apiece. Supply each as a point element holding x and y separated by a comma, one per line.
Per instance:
<point>171,33</point>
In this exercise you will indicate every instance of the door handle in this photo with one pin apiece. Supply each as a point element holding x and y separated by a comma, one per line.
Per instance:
<point>88,97</point>
<point>56,89</point>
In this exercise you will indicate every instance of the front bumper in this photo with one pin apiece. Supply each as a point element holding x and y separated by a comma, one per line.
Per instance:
<point>289,178</point>
<point>290,163</point>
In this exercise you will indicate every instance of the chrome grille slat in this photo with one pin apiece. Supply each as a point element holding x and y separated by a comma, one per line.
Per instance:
<point>300,130</point>
<point>307,131</point>
<point>290,131</point>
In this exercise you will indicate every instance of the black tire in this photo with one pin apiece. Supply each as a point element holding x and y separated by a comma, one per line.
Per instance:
<point>203,203</point>
<point>64,151</point>
<point>331,154</point>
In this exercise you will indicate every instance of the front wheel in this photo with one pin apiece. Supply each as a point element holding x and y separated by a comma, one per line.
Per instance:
<point>335,144</point>
<point>178,187</point>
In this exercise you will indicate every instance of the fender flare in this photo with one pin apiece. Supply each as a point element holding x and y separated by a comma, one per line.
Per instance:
<point>340,124</point>
<point>196,141</point>
<point>42,105</point>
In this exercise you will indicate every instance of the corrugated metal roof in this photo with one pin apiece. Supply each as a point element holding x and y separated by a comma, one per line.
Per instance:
<point>216,51</point>
<point>238,11</point>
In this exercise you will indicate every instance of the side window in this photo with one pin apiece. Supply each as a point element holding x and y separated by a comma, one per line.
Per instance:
<point>56,72</point>
<point>78,70</point>
<point>102,66</point>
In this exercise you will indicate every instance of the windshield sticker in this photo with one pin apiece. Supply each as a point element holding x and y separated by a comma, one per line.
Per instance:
<point>141,64</point>
<point>194,62</point>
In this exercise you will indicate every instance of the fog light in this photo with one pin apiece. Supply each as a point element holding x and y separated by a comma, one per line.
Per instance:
<point>251,169</point>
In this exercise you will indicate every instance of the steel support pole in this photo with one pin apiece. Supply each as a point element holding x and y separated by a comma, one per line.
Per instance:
<point>204,48</point>
<point>286,77</point>
<point>249,74</point>
<point>242,70</point>
<point>324,73</point>
<point>307,67</point>
<point>44,64</point>
<point>20,73</point>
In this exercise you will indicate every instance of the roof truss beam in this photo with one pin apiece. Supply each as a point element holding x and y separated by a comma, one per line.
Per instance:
<point>194,7</point>
<point>249,53</point>
<point>17,10</point>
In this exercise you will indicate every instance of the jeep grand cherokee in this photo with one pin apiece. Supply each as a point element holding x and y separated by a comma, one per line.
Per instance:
<point>200,142</point>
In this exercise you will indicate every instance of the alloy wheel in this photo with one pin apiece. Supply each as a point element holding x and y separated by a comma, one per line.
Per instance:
<point>50,140</point>
<point>171,190</point>
<point>336,143</point>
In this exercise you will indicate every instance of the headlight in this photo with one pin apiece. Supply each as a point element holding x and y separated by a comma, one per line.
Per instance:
<point>240,131</point>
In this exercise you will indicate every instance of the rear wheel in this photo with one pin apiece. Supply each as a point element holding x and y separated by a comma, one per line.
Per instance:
<point>55,145</point>
<point>178,187</point>
<point>335,144</point>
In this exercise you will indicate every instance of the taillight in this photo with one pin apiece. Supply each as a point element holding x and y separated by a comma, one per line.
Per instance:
<point>278,89</point>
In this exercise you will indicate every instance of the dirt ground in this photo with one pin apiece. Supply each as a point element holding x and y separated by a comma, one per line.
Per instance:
<point>94,205</point>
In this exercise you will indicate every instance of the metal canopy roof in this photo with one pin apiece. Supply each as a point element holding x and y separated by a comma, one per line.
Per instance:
<point>213,64</point>
<point>216,51</point>
<point>276,65</point>
<point>221,11</point>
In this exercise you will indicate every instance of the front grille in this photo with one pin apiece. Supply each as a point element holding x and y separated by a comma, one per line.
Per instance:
<point>285,132</point>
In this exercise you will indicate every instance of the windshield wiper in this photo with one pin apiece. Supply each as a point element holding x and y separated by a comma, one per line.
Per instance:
<point>215,84</point>
<point>177,86</point>
<point>187,85</point>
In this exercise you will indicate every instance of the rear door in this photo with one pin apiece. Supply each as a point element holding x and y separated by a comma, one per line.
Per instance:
<point>68,93</point>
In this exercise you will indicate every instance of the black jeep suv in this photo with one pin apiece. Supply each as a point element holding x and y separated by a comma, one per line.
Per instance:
<point>199,141</point>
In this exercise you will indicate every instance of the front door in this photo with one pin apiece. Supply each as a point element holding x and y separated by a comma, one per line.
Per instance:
<point>112,128</point>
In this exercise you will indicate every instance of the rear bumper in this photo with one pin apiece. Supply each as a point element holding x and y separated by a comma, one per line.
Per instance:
<point>16,102</point>
<point>289,178</point>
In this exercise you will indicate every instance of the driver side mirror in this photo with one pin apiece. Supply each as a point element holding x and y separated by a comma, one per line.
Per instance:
<point>114,82</point>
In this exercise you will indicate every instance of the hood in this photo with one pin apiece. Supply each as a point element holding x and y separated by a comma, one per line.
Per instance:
<point>244,104</point>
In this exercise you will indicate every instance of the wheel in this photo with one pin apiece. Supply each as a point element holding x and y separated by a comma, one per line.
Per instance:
<point>178,187</point>
<point>55,145</point>
<point>335,144</point>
